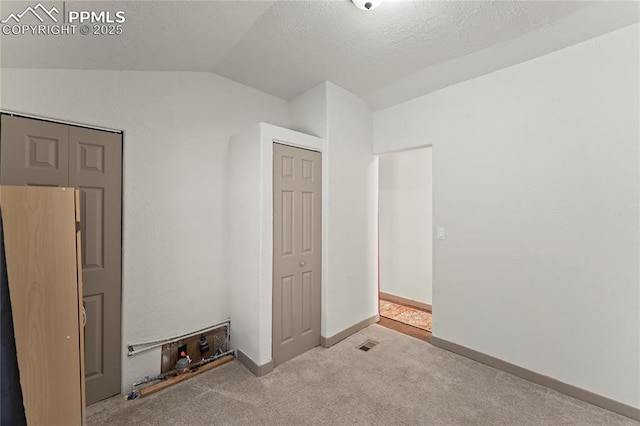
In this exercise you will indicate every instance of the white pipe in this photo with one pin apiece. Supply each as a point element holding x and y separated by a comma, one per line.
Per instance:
<point>155,343</point>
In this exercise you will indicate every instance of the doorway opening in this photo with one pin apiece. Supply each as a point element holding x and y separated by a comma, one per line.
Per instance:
<point>405,241</point>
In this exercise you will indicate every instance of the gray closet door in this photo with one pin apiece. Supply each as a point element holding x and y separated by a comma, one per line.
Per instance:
<point>95,167</point>
<point>35,152</point>
<point>297,210</point>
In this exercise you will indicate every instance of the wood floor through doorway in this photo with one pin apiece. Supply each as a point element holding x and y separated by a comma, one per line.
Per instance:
<point>403,328</point>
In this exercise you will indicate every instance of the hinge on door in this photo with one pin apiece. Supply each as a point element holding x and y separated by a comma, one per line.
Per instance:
<point>77,226</point>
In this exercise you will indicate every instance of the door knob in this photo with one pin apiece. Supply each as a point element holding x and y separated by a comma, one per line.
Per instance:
<point>302,263</point>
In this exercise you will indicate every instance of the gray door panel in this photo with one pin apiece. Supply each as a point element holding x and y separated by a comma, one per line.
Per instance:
<point>35,152</point>
<point>95,168</point>
<point>297,208</point>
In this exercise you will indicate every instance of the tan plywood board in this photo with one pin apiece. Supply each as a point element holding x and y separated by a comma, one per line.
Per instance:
<point>40,243</point>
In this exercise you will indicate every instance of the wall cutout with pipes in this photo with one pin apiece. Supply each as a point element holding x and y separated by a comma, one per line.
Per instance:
<point>184,356</point>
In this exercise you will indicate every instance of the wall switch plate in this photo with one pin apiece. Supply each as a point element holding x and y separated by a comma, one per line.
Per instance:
<point>440,233</point>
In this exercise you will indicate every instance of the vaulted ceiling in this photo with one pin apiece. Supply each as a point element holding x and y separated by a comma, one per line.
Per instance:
<point>286,47</point>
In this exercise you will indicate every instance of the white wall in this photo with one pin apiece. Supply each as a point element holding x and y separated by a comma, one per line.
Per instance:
<point>351,294</point>
<point>406,215</point>
<point>536,179</point>
<point>176,129</point>
<point>245,214</point>
<point>349,240</point>
<point>309,111</point>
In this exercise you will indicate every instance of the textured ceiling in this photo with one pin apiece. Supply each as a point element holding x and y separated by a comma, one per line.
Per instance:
<point>286,47</point>
<point>294,44</point>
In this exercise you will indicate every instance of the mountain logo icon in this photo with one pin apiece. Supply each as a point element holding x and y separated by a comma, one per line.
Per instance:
<point>39,11</point>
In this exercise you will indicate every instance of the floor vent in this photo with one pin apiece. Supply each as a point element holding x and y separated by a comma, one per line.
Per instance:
<point>369,344</point>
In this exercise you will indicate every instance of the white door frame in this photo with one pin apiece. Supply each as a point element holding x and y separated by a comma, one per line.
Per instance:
<point>250,204</point>
<point>268,135</point>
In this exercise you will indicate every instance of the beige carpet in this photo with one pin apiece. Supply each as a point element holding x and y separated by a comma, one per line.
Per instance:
<point>402,380</point>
